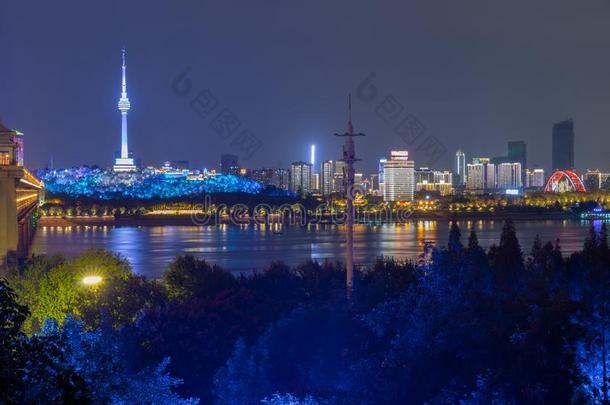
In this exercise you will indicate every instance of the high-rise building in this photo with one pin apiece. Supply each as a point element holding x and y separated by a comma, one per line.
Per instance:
<point>509,176</point>
<point>125,162</point>
<point>517,152</point>
<point>315,181</point>
<point>229,164</point>
<point>480,175</point>
<point>436,181</point>
<point>327,171</point>
<point>563,145</point>
<point>264,175</point>
<point>278,177</point>
<point>534,178</point>
<point>281,179</point>
<point>300,177</point>
<point>460,167</point>
<point>380,173</point>
<point>595,180</point>
<point>399,177</point>
<point>339,177</point>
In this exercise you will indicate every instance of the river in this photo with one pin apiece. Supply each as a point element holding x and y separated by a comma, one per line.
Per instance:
<point>250,247</point>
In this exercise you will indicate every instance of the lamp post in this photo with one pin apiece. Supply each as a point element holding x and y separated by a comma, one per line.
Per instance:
<point>92,281</point>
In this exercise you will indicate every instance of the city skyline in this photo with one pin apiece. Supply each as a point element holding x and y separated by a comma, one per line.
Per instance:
<point>478,95</point>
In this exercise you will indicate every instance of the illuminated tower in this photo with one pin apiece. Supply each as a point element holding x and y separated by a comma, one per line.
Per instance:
<point>349,158</point>
<point>124,163</point>
<point>460,168</point>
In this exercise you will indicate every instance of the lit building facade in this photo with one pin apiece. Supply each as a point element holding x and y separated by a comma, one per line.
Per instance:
<point>509,176</point>
<point>435,181</point>
<point>300,177</point>
<point>339,177</point>
<point>125,162</point>
<point>399,177</point>
<point>480,175</point>
<point>315,182</point>
<point>460,168</point>
<point>11,147</point>
<point>380,174</point>
<point>595,180</point>
<point>327,171</point>
<point>278,177</point>
<point>534,178</point>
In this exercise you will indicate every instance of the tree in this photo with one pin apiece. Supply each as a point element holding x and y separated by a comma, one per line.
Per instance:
<point>187,277</point>
<point>32,370</point>
<point>52,288</point>
<point>308,352</point>
<point>455,244</point>
<point>103,366</point>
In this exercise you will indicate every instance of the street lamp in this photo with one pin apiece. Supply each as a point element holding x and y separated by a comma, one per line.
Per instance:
<point>92,280</point>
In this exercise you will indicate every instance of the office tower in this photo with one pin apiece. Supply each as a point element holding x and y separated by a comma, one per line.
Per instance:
<point>480,175</point>
<point>229,164</point>
<point>124,163</point>
<point>509,176</point>
<point>358,178</point>
<point>517,152</point>
<point>327,171</point>
<point>534,178</point>
<point>460,167</point>
<point>339,177</point>
<point>300,177</point>
<point>563,145</point>
<point>380,173</point>
<point>399,177</point>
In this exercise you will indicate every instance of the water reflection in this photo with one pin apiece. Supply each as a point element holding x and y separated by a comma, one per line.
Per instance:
<point>248,247</point>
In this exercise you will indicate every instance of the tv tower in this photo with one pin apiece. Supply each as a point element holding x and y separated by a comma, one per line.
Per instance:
<point>124,163</point>
<point>349,157</point>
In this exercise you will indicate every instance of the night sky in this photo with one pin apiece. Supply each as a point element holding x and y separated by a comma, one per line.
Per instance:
<point>474,73</point>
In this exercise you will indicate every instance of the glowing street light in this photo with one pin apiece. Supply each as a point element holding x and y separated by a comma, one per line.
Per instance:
<point>92,280</point>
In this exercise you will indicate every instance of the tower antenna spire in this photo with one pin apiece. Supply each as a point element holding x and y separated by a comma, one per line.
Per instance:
<point>124,67</point>
<point>124,163</point>
<point>350,126</point>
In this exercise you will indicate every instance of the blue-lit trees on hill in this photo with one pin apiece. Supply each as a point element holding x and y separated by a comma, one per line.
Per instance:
<point>145,185</point>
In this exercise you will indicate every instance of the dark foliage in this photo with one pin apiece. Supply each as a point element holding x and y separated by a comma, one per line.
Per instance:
<point>460,326</point>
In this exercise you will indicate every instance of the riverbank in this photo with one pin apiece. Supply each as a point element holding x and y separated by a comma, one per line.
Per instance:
<point>189,220</point>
